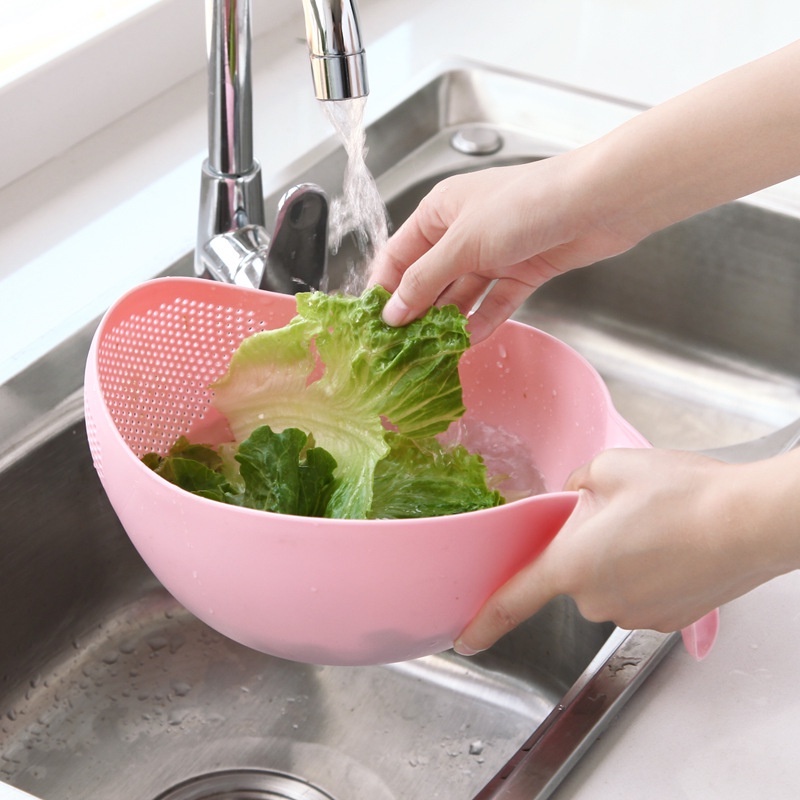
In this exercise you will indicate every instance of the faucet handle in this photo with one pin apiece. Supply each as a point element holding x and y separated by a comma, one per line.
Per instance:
<point>294,260</point>
<point>238,257</point>
<point>299,247</point>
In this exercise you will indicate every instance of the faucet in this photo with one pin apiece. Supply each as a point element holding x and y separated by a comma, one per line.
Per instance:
<point>233,244</point>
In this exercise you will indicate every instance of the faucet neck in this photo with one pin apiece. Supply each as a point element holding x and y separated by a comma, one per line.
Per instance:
<point>232,242</point>
<point>230,102</point>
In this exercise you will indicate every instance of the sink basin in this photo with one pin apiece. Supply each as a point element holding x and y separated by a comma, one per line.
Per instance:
<point>109,689</point>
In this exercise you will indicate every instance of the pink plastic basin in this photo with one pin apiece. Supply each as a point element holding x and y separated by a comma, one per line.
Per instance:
<point>319,590</point>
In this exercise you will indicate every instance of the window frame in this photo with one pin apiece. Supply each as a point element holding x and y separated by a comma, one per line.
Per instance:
<point>80,91</point>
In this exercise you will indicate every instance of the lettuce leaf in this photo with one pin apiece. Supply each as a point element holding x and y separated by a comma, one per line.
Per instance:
<point>281,472</point>
<point>423,478</point>
<point>336,414</point>
<point>339,372</point>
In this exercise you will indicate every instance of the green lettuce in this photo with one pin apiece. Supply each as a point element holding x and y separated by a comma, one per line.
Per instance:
<point>371,397</point>
<point>423,478</point>
<point>281,472</point>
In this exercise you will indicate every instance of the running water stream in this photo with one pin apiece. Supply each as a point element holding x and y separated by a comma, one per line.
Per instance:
<point>359,211</point>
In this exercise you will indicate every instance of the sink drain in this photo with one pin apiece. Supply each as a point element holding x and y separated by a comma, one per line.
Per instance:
<point>476,140</point>
<point>245,784</point>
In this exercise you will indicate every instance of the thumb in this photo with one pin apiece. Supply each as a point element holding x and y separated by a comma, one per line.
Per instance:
<point>516,600</point>
<point>526,592</point>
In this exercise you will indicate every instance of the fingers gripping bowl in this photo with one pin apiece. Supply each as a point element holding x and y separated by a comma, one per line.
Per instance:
<point>324,591</point>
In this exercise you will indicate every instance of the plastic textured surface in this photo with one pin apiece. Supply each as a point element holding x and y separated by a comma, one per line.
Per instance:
<point>320,590</point>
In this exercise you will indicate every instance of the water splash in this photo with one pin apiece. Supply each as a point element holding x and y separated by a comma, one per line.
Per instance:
<point>359,211</point>
<point>509,462</point>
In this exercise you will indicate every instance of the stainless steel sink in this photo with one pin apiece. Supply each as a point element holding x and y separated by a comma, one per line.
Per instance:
<point>109,689</point>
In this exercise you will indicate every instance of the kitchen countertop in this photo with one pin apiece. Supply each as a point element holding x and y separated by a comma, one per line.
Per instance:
<point>725,727</point>
<point>120,207</point>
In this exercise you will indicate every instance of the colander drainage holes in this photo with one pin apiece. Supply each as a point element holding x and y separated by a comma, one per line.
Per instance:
<point>245,784</point>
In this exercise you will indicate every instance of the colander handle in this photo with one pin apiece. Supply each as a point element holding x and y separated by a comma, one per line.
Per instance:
<point>699,637</point>
<point>620,433</point>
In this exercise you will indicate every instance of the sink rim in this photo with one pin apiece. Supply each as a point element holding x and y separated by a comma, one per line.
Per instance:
<point>30,416</point>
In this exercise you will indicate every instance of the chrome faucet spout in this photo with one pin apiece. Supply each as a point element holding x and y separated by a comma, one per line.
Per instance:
<point>338,64</point>
<point>233,244</point>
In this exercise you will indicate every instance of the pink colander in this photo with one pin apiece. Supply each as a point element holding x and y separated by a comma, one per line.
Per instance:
<point>324,591</point>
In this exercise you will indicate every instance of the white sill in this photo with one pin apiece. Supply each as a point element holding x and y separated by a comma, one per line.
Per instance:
<point>120,206</point>
<point>61,102</point>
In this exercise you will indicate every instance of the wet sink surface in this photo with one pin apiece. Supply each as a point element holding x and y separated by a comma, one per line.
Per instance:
<point>151,697</point>
<point>109,689</point>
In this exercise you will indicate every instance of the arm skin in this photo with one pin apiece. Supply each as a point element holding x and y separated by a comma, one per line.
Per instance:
<point>521,225</point>
<point>658,538</point>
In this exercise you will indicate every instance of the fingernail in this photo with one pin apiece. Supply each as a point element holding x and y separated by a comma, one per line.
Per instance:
<point>395,312</point>
<point>464,649</point>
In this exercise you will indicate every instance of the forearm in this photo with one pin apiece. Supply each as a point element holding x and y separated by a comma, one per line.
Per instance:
<point>722,140</point>
<point>486,240</point>
<point>764,512</point>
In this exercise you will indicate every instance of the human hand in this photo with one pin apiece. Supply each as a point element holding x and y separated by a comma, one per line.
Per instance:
<point>506,231</point>
<point>657,540</point>
<point>499,232</point>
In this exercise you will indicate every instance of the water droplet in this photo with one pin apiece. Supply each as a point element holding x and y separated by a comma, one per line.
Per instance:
<point>156,643</point>
<point>177,717</point>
